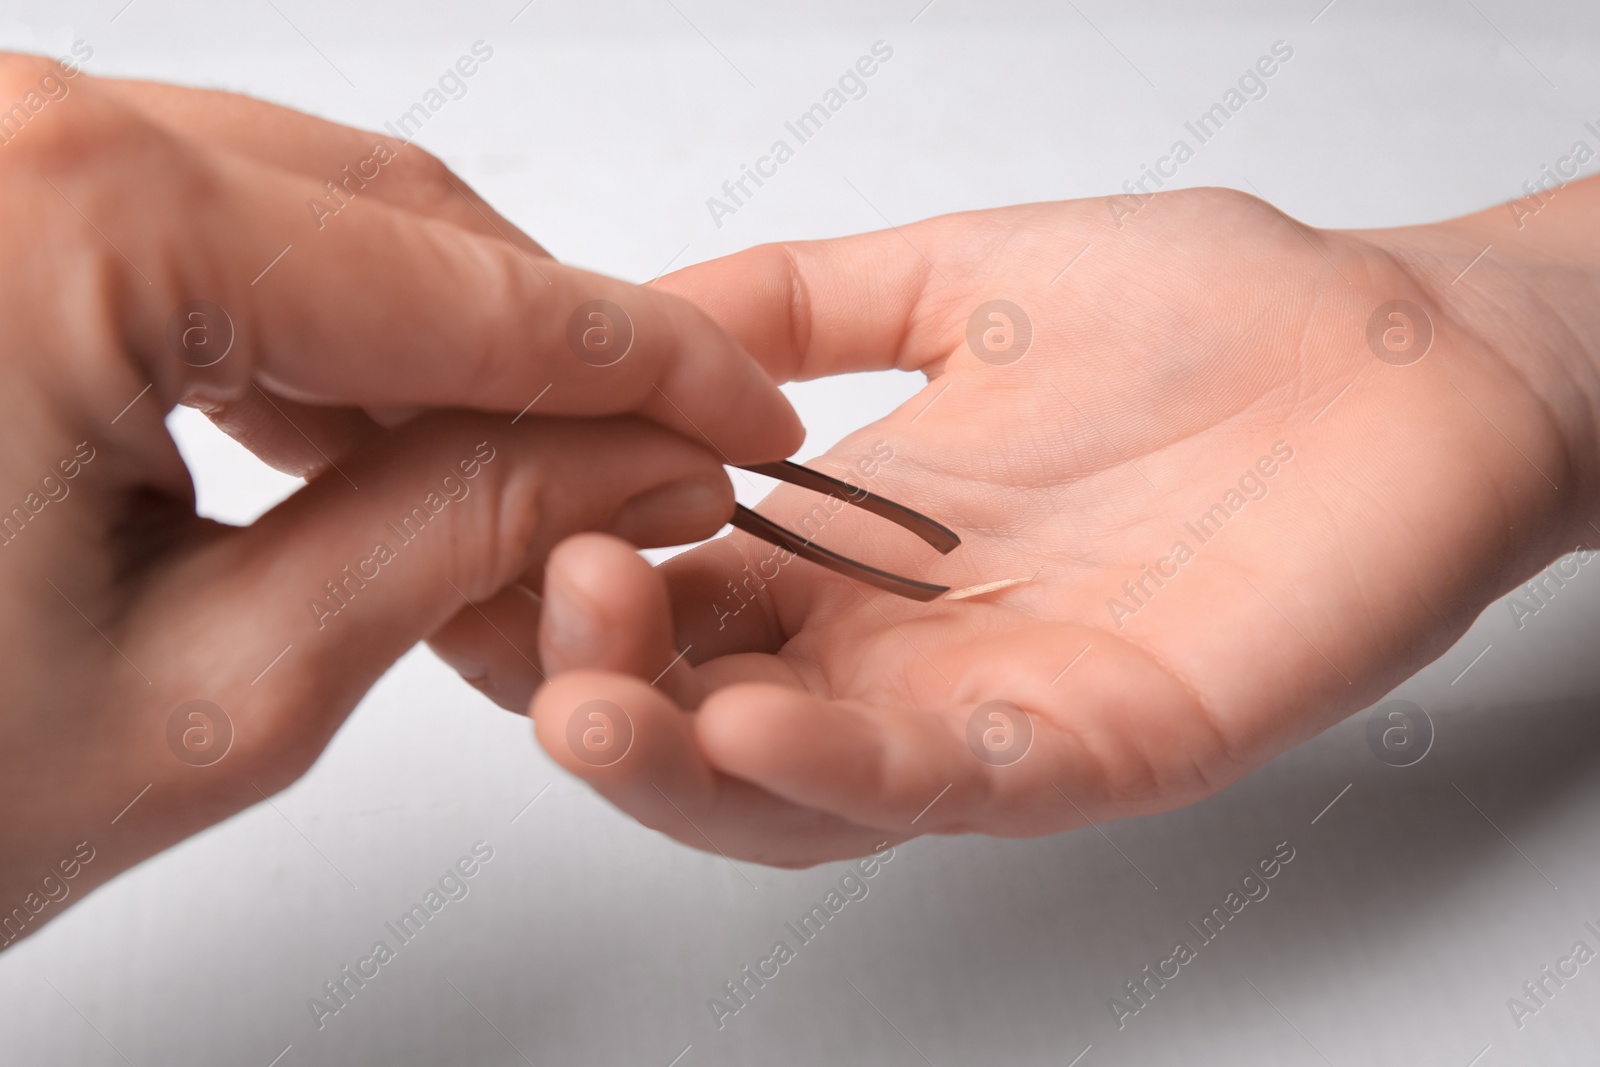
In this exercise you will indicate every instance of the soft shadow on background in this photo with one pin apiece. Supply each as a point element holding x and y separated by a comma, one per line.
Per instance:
<point>1416,904</point>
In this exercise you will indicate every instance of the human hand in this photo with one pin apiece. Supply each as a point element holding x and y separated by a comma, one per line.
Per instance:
<point>1239,520</point>
<point>337,353</point>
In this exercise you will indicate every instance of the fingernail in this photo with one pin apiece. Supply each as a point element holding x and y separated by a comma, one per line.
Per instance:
<point>672,514</point>
<point>570,629</point>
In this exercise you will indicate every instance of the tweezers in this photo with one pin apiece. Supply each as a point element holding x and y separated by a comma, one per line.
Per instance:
<point>937,536</point>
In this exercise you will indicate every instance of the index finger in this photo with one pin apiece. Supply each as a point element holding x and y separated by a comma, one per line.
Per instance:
<point>329,297</point>
<point>305,144</point>
<point>892,299</point>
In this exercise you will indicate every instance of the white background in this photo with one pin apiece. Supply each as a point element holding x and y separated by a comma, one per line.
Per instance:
<point>1394,937</point>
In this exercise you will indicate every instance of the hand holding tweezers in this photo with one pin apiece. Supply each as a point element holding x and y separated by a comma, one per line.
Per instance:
<point>941,539</point>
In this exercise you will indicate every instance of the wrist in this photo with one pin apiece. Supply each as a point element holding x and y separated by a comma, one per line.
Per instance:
<point>1521,283</point>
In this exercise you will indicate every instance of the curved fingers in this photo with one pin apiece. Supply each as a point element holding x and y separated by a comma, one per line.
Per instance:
<point>408,176</point>
<point>1017,747</point>
<point>892,299</point>
<point>639,750</point>
<point>376,307</point>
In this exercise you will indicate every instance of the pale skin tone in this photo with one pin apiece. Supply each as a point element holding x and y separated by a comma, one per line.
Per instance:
<point>1166,363</point>
<point>385,349</point>
<point>820,720</point>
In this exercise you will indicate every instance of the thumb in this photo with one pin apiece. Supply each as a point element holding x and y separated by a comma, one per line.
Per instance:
<point>305,609</point>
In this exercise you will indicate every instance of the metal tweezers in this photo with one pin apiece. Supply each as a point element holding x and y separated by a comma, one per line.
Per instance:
<point>940,538</point>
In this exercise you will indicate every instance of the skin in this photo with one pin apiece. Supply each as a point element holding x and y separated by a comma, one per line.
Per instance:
<point>385,358</point>
<point>1194,335</point>
<point>819,720</point>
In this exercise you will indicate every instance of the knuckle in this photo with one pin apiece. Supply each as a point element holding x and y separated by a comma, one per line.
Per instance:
<point>19,72</point>
<point>782,264</point>
<point>799,306</point>
<point>522,507</point>
<point>1229,206</point>
<point>491,546</point>
<point>77,181</point>
<point>46,122</point>
<point>428,168</point>
<point>432,184</point>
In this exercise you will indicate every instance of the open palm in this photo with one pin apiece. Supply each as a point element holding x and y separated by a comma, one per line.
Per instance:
<point>1241,492</point>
